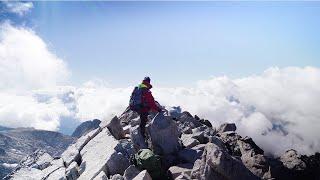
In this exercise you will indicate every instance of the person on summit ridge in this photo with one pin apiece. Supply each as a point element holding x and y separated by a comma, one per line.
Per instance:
<point>142,102</point>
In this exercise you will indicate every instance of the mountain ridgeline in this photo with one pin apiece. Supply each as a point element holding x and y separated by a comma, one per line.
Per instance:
<point>17,143</point>
<point>188,146</point>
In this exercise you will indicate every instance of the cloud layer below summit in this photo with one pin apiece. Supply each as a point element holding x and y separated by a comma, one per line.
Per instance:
<point>278,108</point>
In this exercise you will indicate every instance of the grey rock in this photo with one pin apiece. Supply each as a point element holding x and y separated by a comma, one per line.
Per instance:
<point>143,175</point>
<point>58,174</point>
<point>217,163</point>
<point>27,174</point>
<point>181,169</point>
<point>164,134</point>
<point>200,137</point>
<point>188,141</point>
<point>114,127</point>
<point>71,154</point>
<point>254,161</point>
<point>189,155</point>
<point>72,171</point>
<point>127,116</point>
<point>17,143</point>
<point>175,112</point>
<point>195,173</point>
<point>55,165</point>
<point>101,176</point>
<point>83,140</point>
<point>137,138</point>
<point>227,127</point>
<point>188,120</point>
<point>100,154</point>
<point>130,172</point>
<point>117,177</point>
<point>292,160</point>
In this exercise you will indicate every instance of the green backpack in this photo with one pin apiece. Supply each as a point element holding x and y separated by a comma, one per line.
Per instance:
<point>146,159</point>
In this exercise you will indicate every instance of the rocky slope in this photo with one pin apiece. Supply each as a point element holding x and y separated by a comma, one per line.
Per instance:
<point>17,143</point>
<point>189,147</point>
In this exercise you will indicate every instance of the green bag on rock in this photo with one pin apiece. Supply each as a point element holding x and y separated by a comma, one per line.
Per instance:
<point>146,159</point>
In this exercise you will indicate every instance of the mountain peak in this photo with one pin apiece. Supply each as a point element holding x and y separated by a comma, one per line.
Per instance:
<point>188,146</point>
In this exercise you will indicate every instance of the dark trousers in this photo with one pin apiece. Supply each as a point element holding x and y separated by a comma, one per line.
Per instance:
<point>143,122</point>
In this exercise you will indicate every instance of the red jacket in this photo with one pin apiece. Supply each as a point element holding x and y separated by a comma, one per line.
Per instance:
<point>147,98</point>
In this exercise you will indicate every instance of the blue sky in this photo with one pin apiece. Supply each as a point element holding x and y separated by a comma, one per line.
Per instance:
<point>176,42</point>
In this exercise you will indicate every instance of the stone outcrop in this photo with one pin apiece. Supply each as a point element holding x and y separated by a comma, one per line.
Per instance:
<point>164,134</point>
<point>189,149</point>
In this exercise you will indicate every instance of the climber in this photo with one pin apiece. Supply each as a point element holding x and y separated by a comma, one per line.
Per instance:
<point>142,102</point>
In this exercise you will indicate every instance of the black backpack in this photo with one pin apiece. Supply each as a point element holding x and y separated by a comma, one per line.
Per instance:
<point>135,102</point>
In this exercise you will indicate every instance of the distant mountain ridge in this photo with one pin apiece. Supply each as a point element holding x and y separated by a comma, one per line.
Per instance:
<point>85,127</point>
<point>18,143</point>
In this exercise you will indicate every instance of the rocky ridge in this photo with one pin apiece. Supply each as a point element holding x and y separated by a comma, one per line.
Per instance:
<point>189,147</point>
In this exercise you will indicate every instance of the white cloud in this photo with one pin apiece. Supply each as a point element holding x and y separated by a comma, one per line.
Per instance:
<point>26,62</point>
<point>20,8</point>
<point>278,108</point>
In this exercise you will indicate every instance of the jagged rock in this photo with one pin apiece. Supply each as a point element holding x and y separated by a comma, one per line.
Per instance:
<point>117,163</point>
<point>216,140</point>
<point>200,137</point>
<point>101,176</point>
<point>227,127</point>
<point>85,127</point>
<point>181,169</point>
<point>137,138</point>
<point>114,127</point>
<point>43,161</point>
<point>127,116</point>
<point>217,163</point>
<point>183,177</point>
<point>205,122</point>
<point>58,174</point>
<point>230,139</point>
<point>199,129</point>
<point>189,155</point>
<point>143,175</point>
<point>187,119</point>
<point>126,129</point>
<point>126,148</point>
<point>253,159</point>
<point>195,173</point>
<point>175,112</point>
<point>100,154</point>
<point>250,144</point>
<point>130,172</point>
<point>72,171</point>
<point>83,140</point>
<point>55,165</point>
<point>164,134</point>
<point>292,160</point>
<point>117,177</point>
<point>188,141</point>
<point>71,154</point>
<point>27,174</point>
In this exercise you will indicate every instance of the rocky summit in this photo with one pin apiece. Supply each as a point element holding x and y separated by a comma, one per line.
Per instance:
<point>189,148</point>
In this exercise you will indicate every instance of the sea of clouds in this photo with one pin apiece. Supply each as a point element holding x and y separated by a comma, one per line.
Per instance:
<point>278,108</point>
